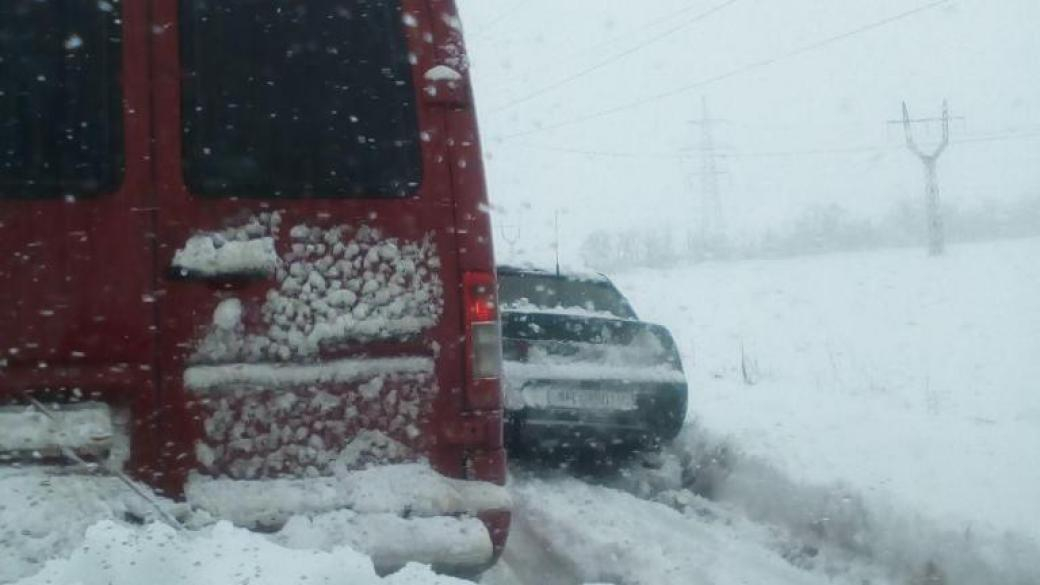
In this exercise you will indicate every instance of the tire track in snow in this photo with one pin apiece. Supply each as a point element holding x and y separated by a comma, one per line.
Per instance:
<point>571,531</point>
<point>530,557</point>
<point>713,515</point>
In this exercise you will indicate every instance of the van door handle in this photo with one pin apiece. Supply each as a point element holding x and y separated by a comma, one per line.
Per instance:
<point>207,257</point>
<point>222,280</point>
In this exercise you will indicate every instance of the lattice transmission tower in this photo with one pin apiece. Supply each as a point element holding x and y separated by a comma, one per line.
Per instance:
<point>930,160</point>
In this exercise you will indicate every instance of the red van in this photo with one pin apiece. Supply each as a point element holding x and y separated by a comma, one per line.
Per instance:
<point>256,233</point>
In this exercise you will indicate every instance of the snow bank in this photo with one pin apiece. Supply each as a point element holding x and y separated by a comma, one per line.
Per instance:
<point>832,528</point>
<point>115,554</point>
<point>392,513</point>
<point>756,525</point>
<point>413,490</point>
<point>392,541</point>
<point>45,515</point>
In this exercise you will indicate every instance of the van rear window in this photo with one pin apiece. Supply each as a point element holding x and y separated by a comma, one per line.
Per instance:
<point>60,98</point>
<point>298,99</point>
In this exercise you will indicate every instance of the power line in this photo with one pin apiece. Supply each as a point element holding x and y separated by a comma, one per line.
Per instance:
<point>735,72</point>
<point>691,153</point>
<point>997,138</point>
<point>600,65</point>
<point>600,153</point>
<point>671,16</point>
<point>500,18</point>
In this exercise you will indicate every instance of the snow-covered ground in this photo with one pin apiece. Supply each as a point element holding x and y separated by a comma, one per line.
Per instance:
<point>915,380</point>
<point>63,526</point>
<point>569,531</point>
<point>855,418</point>
<point>114,553</point>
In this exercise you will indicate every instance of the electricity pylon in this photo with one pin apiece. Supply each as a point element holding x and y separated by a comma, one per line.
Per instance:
<point>712,221</point>
<point>712,226</point>
<point>936,235</point>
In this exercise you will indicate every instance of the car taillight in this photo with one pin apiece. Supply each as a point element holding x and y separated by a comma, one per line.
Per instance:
<point>483,339</point>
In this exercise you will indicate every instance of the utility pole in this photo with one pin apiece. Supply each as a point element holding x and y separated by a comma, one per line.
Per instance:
<point>936,235</point>
<point>712,225</point>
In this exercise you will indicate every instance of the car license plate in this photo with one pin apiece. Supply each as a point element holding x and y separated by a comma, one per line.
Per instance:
<point>591,399</point>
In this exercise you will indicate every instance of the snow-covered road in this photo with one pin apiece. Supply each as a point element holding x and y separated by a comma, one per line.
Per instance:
<point>714,515</point>
<point>569,531</point>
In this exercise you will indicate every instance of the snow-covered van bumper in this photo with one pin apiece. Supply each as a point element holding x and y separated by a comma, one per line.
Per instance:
<point>395,513</point>
<point>336,452</point>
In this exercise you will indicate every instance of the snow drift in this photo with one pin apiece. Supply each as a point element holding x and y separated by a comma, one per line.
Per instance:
<point>115,554</point>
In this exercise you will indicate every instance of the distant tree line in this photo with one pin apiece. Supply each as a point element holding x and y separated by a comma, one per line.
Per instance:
<point>821,229</point>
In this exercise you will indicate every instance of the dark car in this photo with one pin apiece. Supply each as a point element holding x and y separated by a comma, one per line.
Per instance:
<point>581,370</point>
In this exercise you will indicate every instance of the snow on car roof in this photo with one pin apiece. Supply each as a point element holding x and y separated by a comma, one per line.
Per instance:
<point>569,273</point>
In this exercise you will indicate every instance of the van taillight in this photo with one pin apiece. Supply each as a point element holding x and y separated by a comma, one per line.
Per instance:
<point>480,297</point>
<point>483,339</point>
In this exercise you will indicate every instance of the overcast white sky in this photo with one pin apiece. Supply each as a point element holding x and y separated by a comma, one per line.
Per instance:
<point>628,167</point>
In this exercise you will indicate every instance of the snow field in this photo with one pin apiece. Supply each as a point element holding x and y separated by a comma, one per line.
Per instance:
<point>836,528</point>
<point>884,404</point>
<point>914,380</point>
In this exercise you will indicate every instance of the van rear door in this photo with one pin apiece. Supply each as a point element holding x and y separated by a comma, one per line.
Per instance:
<point>76,307</point>
<point>307,252</point>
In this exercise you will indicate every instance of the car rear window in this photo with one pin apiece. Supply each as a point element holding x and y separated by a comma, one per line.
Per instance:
<point>535,291</point>
<point>298,99</point>
<point>60,98</point>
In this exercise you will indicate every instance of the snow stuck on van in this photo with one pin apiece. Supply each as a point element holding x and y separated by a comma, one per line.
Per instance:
<point>253,432</point>
<point>335,285</point>
<point>271,407</point>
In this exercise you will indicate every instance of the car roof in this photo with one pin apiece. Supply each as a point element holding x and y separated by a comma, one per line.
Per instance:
<point>566,273</point>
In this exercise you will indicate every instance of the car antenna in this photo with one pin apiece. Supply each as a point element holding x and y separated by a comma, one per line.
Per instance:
<point>557,246</point>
